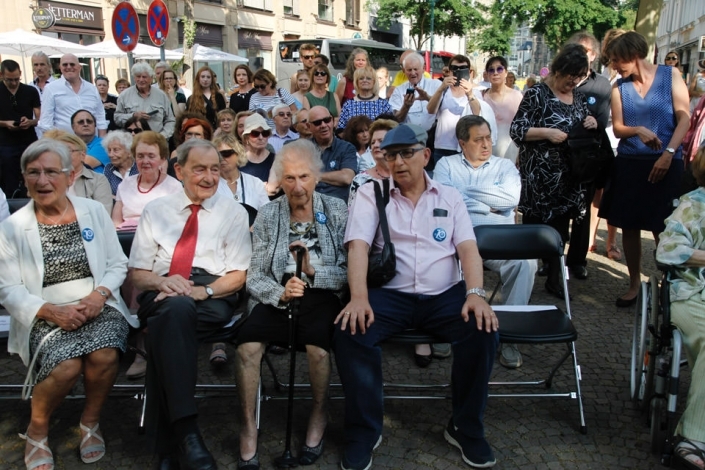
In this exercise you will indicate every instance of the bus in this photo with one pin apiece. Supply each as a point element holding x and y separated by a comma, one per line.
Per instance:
<point>440,59</point>
<point>337,50</point>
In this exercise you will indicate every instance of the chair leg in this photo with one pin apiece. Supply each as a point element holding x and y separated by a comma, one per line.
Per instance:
<point>549,380</point>
<point>579,396</point>
<point>140,428</point>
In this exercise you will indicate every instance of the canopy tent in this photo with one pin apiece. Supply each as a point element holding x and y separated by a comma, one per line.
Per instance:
<point>22,43</point>
<point>206,54</point>
<point>142,51</point>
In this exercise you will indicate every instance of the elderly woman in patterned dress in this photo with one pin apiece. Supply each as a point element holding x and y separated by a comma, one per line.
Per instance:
<point>316,222</point>
<point>540,129</point>
<point>61,267</point>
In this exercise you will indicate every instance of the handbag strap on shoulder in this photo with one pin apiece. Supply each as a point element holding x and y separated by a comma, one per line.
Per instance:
<point>382,201</point>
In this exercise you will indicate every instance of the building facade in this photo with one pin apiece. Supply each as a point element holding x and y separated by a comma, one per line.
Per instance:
<point>682,29</point>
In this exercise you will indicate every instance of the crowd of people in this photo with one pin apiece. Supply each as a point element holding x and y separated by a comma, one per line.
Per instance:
<point>224,198</point>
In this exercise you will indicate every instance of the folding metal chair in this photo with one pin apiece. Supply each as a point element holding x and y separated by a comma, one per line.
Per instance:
<point>533,324</point>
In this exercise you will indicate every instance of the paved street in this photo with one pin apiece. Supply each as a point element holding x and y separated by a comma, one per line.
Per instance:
<point>526,434</point>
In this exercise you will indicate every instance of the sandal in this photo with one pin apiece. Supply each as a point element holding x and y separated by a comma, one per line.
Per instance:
<point>218,355</point>
<point>309,455</point>
<point>614,253</point>
<point>688,452</point>
<point>36,446</point>
<point>89,449</point>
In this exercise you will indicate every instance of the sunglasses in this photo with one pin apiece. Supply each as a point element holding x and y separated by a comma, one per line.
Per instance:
<point>284,114</point>
<point>134,130</point>
<point>84,122</point>
<point>256,134</point>
<point>499,69</point>
<point>320,73</point>
<point>69,64</point>
<point>261,87</point>
<point>672,58</point>
<point>455,68</point>
<point>318,122</point>
<point>405,154</point>
<point>307,57</point>
<point>227,153</point>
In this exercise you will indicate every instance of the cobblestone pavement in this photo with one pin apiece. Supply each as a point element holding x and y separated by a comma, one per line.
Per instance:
<point>525,433</point>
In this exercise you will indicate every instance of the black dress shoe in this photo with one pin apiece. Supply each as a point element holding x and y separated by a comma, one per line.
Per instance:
<point>309,455</point>
<point>167,462</point>
<point>623,303</point>
<point>423,361</point>
<point>194,455</point>
<point>579,272</point>
<point>555,290</point>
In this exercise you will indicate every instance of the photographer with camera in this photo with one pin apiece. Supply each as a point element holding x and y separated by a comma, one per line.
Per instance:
<point>408,99</point>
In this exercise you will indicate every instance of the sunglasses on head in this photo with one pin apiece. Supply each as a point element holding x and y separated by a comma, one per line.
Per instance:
<point>261,87</point>
<point>320,73</point>
<point>227,153</point>
<point>318,122</point>
<point>256,134</point>
<point>499,69</point>
<point>134,130</point>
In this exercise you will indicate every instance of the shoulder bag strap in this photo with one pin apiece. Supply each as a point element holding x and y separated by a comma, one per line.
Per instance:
<point>381,205</point>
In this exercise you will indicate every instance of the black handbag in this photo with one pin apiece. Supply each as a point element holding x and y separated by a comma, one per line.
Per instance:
<point>382,266</point>
<point>589,153</point>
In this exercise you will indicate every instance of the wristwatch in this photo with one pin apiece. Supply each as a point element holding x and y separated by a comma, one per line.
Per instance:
<point>670,150</point>
<point>209,291</point>
<point>479,291</point>
<point>102,292</point>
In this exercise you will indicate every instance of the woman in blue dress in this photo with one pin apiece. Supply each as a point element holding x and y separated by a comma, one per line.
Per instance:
<point>650,116</point>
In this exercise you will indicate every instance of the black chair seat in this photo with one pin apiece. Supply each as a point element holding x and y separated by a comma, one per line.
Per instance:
<point>535,327</point>
<point>126,237</point>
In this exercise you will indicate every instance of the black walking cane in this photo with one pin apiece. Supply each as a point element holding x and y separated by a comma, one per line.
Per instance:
<point>287,460</point>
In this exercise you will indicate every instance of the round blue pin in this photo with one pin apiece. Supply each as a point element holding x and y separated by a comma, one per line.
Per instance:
<point>321,218</point>
<point>332,164</point>
<point>439,234</point>
<point>591,100</point>
<point>87,234</point>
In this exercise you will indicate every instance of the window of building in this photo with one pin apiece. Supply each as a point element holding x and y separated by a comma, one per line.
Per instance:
<point>266,5</point>
<point>352,13</point>
<point>325,10</point>
<point>291,7</point>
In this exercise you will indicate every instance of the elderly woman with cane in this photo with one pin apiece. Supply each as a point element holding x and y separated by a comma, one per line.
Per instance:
<point>315,223</point>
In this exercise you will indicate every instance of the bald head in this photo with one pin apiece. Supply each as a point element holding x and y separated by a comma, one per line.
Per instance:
<point>70,68</point>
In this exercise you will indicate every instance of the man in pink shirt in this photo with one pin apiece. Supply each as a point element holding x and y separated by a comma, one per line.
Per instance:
<point>429,225</point>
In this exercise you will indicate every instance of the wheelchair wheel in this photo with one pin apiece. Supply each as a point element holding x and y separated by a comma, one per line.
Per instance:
<point>651,341</point>
<point>639,348</point>
<point>659,424</point>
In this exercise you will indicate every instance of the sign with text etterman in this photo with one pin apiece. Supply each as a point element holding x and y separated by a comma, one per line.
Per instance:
<point>126,26</point>
<point>158,22</point>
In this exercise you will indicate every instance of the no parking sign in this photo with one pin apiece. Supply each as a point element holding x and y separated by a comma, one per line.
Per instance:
<point>126,26</point>
<point>158,22</point>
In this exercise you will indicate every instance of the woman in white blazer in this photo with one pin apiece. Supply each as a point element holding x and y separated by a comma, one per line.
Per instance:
<point>61,268</point>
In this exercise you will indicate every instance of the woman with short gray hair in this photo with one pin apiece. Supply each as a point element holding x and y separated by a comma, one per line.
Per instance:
<point>122,164</point>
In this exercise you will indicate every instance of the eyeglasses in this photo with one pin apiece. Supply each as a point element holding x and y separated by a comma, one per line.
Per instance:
<point>264,134</point>
<point>284,114</point>
<point>404,153</point>
<point>261,87</point>
<point>672,57</point>
<point>320,73</point>
<point>366,78</point>
<point>50,173</point>
<point>134,130</point>
<point>69,65</point>
<point>318,122</point>
<point>84,122</point>
<point>577,78</point>
<point>227,153</point>
<point>11,80</point>
<point>455,68</point>
<point>499,69</point>
<point>307,57</point>
<point>193,135</point>
<point>303,121</point>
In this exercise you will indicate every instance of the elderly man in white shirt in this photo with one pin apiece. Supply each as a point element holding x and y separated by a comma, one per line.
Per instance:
<point>490,187</point>
<point>190,258</point>
<point>63,97</point>
<point>282,116</point>
<point>410,99</point>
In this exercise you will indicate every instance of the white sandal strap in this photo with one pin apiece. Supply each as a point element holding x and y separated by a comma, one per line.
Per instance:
<point>37,445</point>
<point>91,432</point>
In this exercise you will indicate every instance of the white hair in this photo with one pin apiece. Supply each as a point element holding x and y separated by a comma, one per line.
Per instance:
<point>142,67</point>
<point>414,56</point>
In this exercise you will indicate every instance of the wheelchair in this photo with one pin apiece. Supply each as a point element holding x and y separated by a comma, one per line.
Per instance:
<point>656,362</point>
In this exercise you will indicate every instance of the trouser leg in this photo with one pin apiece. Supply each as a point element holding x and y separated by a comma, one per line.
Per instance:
<point>580,234</point>
<point>517,278</point>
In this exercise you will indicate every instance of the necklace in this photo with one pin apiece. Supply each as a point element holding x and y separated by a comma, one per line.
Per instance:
<point>139,180</point>
<point>371,97</point>
<point>292,226</point>
<point>56,222</point>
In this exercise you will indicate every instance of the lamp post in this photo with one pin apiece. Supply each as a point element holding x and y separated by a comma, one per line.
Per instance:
<point>433,8</point>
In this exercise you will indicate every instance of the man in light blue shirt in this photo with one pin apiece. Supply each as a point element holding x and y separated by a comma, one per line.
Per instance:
<point>281,115</point>
<point>490,187</point>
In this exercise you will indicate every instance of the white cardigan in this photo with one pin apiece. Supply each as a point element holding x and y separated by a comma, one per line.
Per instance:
<point>22,266</point>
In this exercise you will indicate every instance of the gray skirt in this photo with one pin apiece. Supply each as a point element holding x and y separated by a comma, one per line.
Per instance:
<point>107,330</point>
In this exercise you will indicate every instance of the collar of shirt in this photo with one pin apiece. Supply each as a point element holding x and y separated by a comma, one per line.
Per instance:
<point>207,205</point>
<point>69,86</point>
<point>470,166</point>
<point>289,135</point>
<point>431,186</point>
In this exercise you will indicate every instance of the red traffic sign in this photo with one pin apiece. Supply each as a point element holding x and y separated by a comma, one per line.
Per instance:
<point>126,26</point>
<point>158,22</point>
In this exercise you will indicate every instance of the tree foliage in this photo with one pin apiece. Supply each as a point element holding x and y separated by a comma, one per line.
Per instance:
<point>557,20</point>
<point>451,17</point>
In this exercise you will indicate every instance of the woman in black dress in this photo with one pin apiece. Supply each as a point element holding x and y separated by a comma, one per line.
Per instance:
<point>240,100</point>
<point>540,129</point>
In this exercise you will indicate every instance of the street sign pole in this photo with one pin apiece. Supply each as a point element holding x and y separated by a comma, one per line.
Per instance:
<point>130,63</point>
<point>162,54</point>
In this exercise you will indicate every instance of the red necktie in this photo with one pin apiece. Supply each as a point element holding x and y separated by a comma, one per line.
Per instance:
<point>182,262</point>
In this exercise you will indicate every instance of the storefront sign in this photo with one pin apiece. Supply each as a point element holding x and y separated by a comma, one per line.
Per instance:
<point>43,18</point>
<point>249,38</point>
<point>78,16</point>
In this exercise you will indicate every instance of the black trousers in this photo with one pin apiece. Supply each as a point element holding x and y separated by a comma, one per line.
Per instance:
<point>580,233</point>
<point>175,326</point>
